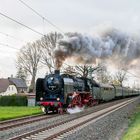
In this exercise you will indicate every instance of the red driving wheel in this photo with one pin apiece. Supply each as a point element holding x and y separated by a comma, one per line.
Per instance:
<point>77,101</point>
<point>91,103</point>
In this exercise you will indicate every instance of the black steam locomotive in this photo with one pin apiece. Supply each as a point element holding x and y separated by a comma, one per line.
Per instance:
<point>56,92</point>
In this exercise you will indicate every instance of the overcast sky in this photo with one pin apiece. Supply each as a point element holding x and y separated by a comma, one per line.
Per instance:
<point>69,15</point>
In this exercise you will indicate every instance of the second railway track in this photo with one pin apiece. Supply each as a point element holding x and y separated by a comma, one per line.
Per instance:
<point>22,121</point>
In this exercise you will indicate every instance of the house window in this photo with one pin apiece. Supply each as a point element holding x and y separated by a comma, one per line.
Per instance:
<point>9,88</point>
<point>12,88</point>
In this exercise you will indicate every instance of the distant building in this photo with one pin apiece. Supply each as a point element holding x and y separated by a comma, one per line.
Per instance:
<point>7,87</point>
<point>12,86</point>
<point>19,83</point>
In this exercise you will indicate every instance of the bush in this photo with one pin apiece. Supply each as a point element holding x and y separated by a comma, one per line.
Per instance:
<point>14,100</point>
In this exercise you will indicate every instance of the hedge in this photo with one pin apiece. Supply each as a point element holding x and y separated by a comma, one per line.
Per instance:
<point>14,100</point>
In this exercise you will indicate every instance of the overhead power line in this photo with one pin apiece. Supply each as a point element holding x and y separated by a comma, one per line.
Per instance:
<point>44,18</point>
<point>2,44</point>
<point>133,74</point>
<point>20,23</point>
<point>8,35</point>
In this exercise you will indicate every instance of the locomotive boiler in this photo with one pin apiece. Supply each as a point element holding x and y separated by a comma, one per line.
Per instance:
<point>56,92</point>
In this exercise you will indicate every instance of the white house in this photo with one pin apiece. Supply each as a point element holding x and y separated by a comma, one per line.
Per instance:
<point>7,87</point>
<point>19,83</point>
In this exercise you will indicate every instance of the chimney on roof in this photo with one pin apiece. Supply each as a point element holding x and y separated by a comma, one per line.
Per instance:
<point>12,76</point>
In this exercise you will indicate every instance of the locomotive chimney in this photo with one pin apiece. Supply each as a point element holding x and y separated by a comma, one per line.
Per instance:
<point>57,72</point>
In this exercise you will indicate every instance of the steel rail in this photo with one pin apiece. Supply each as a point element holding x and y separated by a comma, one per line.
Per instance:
<point>60,123</point>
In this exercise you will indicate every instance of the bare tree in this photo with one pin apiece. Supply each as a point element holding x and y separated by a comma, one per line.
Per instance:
<point>120,76</point>
<point>69,70</point>
<point>28,59</point>
<point>48,44</point>
<point>103,75</point>
<point>115,81</point>
<point>81,70</point>
<point>85,70</point>
<point>70,34</point>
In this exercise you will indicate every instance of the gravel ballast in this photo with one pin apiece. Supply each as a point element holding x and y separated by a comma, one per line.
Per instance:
<point>100,129</point>
<point>110,127</point>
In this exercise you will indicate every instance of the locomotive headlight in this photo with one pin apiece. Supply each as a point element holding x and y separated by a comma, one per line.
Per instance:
<point>58,99</point>
<point>41,98</point>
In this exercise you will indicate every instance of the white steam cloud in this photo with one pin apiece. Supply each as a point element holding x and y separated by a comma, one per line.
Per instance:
<point>87,49</point>
<point>75,110</point>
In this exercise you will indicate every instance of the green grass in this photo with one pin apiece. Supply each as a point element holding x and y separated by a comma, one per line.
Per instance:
<point>133,132</point>
<point>15,112</point>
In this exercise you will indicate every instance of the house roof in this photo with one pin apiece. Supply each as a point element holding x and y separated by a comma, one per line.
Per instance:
<point>4,83</point>
<point>19,83</point>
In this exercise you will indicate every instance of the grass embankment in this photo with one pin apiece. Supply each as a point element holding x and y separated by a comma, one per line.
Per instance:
<point>133,132</point>
<point>15,112</point>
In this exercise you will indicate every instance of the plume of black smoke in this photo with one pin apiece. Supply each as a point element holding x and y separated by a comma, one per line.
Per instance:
<point>86,49</point>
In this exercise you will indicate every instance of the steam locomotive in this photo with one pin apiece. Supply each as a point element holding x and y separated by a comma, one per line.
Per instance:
<point>57,92</point>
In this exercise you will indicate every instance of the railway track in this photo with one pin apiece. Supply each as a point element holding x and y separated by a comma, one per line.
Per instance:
<point>4,125</point>
<point>64,127</point>
<point>23,121</point>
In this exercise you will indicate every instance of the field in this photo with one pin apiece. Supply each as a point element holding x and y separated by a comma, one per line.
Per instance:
<point>133,132</point>
<point>15,112</point>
